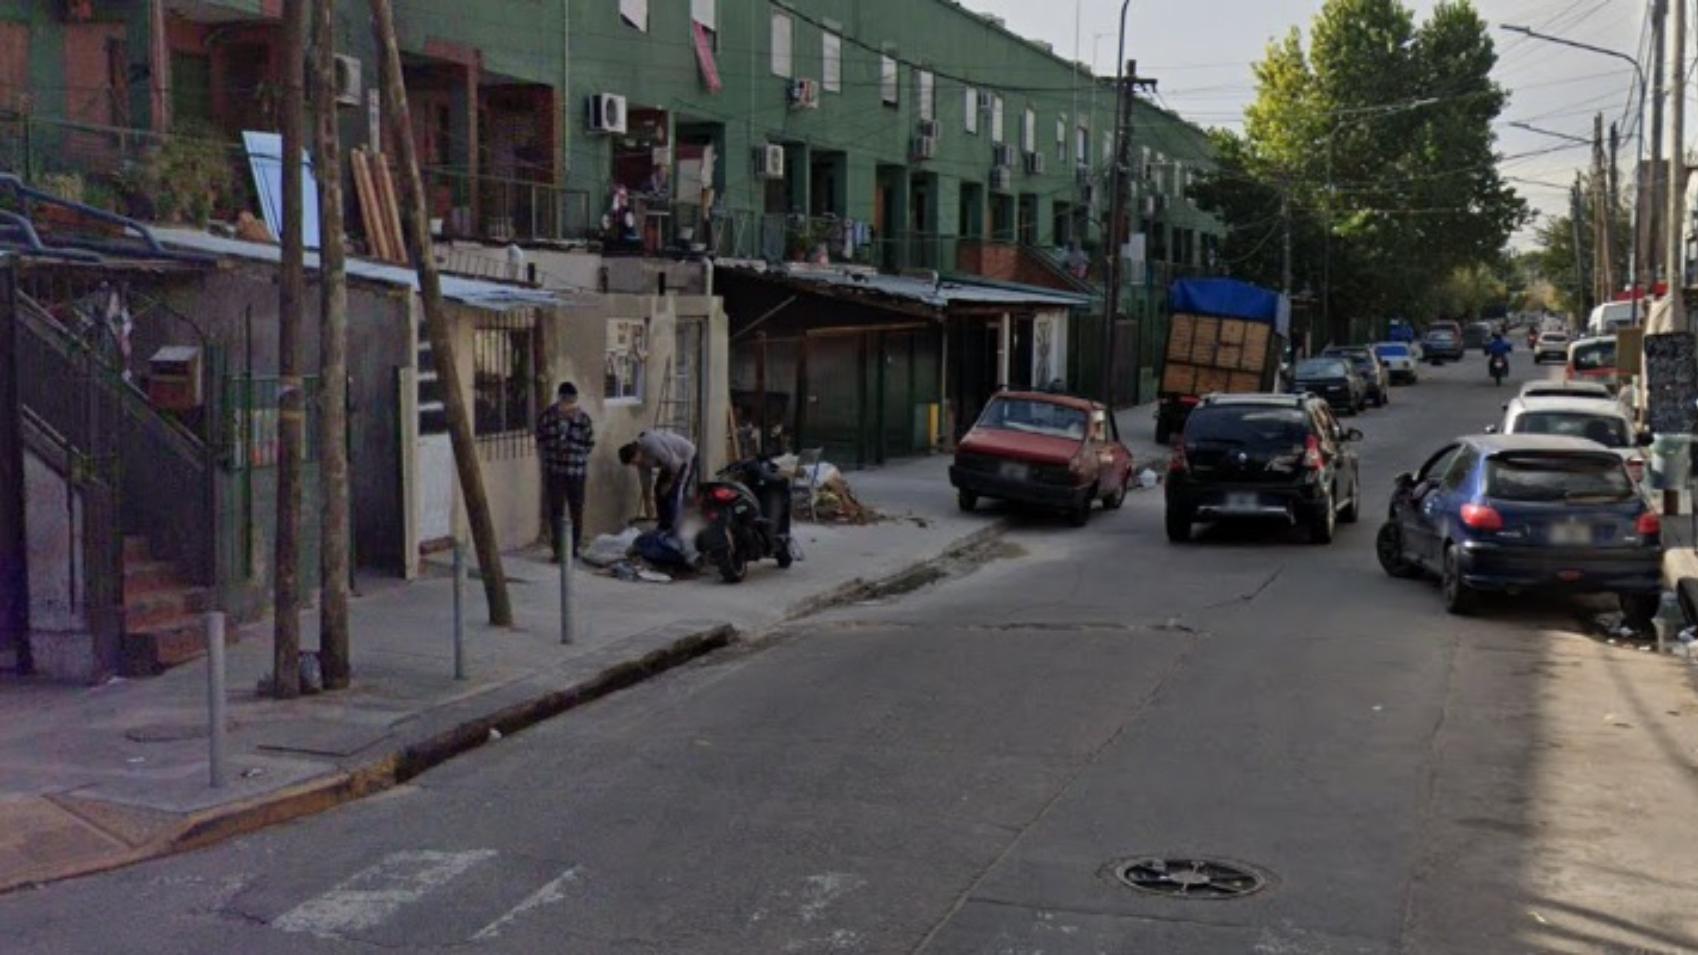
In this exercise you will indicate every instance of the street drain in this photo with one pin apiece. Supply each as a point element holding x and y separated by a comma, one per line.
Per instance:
<point>1190,878</point>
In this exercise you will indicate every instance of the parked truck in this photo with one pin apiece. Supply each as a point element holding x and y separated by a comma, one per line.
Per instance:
<point>1223,337</point>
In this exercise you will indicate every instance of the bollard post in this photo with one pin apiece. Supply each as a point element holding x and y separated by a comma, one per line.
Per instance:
<point>566,558</point>
<point>215,697</point>
<point>459,610</point>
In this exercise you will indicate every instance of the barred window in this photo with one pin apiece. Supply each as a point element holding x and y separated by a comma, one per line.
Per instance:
<point>627,359</point>
<point>504,374</point>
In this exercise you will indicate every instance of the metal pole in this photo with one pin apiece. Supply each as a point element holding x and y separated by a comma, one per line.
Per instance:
<point>215,729</point>
<point>1674,248</point>
<point>459,610</point>
<point>566,558</point>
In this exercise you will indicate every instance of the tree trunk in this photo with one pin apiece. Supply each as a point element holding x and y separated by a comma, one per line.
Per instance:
<point>334,546</point>
<point>291,400</point>
<point>417,222</point>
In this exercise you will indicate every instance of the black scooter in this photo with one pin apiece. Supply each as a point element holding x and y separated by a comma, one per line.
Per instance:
<point>1498,366</point>
<point>747,510</point>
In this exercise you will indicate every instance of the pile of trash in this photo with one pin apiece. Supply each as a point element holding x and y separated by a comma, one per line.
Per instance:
<point>654,557</point>
<point>834,501</point>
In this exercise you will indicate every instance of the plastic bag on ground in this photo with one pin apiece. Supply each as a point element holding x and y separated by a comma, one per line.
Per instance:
<point>1148,479</point>
<point>609,549</point>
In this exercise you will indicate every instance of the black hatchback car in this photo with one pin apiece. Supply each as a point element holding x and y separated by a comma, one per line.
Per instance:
<point>1333,378</point>
<point>1276,457</point>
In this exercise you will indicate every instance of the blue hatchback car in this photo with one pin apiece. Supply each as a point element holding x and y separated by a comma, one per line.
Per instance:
<point>1522,513</point>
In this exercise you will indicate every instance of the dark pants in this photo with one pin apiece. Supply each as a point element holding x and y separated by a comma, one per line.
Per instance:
<point>564,492</point>
<point>669,490</point>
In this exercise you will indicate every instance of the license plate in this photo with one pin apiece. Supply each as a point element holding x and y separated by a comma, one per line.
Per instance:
<point>1014,470</point>
<point>1571,533</point>
<point>1242,501</point>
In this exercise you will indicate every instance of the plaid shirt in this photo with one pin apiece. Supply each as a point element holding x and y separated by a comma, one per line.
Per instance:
<point>564,442</point>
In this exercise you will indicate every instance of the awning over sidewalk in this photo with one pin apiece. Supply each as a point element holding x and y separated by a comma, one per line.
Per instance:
<point>938,294</point>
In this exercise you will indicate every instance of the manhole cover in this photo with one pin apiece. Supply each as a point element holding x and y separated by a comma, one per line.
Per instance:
<point>1190,878</point>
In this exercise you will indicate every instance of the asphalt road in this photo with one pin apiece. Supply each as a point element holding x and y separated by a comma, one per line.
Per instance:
<point>958,770</point>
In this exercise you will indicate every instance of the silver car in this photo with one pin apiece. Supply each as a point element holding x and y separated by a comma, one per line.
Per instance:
<point>1602,420</point>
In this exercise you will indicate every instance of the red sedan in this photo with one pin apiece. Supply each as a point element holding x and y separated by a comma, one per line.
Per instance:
<point>1050,450</point>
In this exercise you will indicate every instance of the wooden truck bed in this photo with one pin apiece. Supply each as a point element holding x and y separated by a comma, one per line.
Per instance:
<point>1207,354</point>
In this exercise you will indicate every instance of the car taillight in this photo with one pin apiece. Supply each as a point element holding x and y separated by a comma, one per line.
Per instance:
<point>1177,462</point>
<point>1649,525</point>
<point>723,495</point>
<point>1636,469</point>
<point>1312,454</point>
<point>1481,517</point>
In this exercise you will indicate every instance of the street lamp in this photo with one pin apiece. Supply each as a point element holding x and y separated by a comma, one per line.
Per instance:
<point>1639,161</point>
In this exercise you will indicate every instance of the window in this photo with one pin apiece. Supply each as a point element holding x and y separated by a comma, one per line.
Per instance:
<point>970,111</point>
<point>781,59</point>
<point>702,11</point>
<point>636,13</point>
<point>504,381</point>
<point>1180,179</point>
<point>1061,138</point>
<point>1108,150</point>
<point>1029,131</point>
<point>996,119</point>
<point>627,359</point>
<point>831,56</point>
<point>887,80</point>
<point>927,86</point>
<point>1082,144</point>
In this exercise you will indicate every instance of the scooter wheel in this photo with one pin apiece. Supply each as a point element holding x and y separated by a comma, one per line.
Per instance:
<point>731,565</point>
<point>784,555</point>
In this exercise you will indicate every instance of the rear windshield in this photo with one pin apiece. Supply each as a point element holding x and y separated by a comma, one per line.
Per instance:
<point>1441,335</point>
<point>1556,477</point>
<point>1563,391</point>
<point>1553,337</point>
<point>1607,430</point>
<point>1391,351</point>
<point>1034,417</point>
<point>1250,426</point>
<point>1321,368</point>
<point>1593,355</point>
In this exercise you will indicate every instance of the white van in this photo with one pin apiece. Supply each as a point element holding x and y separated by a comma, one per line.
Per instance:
<point>1609,317</point>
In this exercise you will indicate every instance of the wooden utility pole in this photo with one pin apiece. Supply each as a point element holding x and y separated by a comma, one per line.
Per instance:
<point>436,322</point>
<point>333,642</point>
<point>1119,228</point>
<point>1651,210</point>
<point>1602,279</point>
<point>1575,209</point>
<point>291,399</point>
<point>1674,245</point>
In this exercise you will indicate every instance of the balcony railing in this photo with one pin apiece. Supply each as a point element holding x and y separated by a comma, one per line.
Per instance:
<point>508,209</point>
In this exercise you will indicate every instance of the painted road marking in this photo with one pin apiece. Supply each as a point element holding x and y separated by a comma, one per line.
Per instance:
<point>371,896</point>
<point>549,894</point>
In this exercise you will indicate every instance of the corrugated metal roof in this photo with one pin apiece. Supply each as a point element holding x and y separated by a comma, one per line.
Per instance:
<point>490,296</point>
<point>936,294</point>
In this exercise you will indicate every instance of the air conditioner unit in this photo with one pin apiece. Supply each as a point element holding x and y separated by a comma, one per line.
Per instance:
<point>350,84</point>
<point>605,113</point>
<point>1035,163</point>
<point>805,94</point>
<point>1001,178</point>
<point>769,161</point>
<point>925,147</point>
<point>926,128</point>
<point>1002,154</point>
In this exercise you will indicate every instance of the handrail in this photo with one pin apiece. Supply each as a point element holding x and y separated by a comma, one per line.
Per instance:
<point>9,182</point>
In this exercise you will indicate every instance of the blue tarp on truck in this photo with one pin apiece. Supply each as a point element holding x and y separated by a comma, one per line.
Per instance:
<point>1226,298</point>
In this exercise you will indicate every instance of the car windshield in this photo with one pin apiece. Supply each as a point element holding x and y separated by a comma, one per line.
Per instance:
<point>1551,338</point>
<point>1608,430</point>
<point>1556,477</point>
<point>1391,351</point>
<point>1440,335</point>
<point>1321,368</point>
<point>1250,426</point>
<point>1034,417</point>
<point>1593,356</point>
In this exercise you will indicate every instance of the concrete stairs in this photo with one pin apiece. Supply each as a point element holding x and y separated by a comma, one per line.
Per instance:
<point>164,621</point>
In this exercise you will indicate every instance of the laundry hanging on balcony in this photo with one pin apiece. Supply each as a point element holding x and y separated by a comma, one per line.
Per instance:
<point>704,56</point>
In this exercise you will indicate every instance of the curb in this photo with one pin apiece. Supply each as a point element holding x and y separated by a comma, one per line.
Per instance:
<point>204,828</point>
<point>210,826</point>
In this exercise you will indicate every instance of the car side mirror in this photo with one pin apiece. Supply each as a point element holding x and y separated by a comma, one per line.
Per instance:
<point>1354,434</point>
<point>1491,429</point>
<point>1404,481</point>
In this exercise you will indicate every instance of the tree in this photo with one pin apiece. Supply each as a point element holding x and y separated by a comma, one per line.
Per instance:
<point>1570,269</point>
<point>1380,132</point>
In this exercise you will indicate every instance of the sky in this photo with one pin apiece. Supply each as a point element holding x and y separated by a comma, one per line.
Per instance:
<point>1200,52</point>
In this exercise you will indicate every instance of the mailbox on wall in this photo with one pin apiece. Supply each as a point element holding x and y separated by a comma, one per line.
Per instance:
<point>174,378</point>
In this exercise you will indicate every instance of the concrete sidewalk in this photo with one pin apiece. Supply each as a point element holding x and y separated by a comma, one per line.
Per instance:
<point>92,778</point>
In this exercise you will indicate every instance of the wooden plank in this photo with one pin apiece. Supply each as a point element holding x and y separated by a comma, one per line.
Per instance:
<point>1230,357</point>
<point>1257,339</point>
<point>1244,381</point>
<point>1211,380</point>
<point>390,210</point>
<point>1205,341</point>
<point>1232,331</point>
<point>377,242</point>
<point>1183,332</point>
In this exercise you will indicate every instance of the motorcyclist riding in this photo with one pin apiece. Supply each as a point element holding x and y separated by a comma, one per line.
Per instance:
<point>1497,357</point>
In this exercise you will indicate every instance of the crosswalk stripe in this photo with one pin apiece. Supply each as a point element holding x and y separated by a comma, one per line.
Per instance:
<point>371,896</point>
<point>549,894</point>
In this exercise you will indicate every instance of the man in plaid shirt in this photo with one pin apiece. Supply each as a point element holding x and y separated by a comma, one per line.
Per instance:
<point>565,437</point>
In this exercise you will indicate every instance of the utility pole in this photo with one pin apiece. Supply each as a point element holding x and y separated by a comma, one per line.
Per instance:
<point>1651,209</point>
<point>1675,245</point>
<point>1581,304</point>
<point>436,322</point>
<point>1119,227</point>
<point>291,399</point>
<point>1285,271</point>
<point>333,638</point>
<point>1602,281</point>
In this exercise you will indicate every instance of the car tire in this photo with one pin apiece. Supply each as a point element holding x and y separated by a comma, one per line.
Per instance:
<point>1384,397</point>
<point>966,500</point>
<point>1324,522</point>
<point>785,556</point>
<point>1388,547</point>
<point>1639,609</point>
<point>1352,509</point>
<point>1459,598</point>
<point>1163,431</point>
<point>1113,499</point>
<point>1178,525</point>
<point>1080,514</point>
